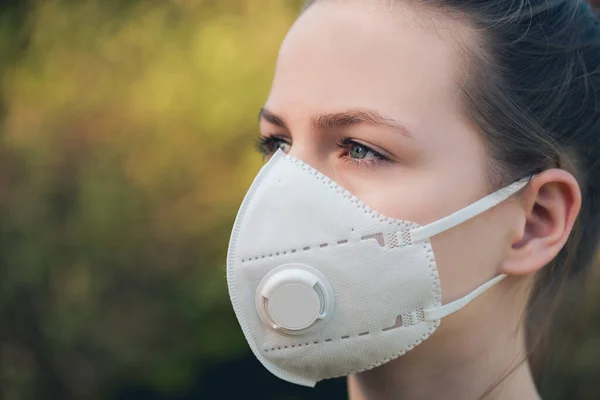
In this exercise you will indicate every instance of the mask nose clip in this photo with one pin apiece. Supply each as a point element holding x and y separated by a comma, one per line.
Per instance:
<point>294,299</point>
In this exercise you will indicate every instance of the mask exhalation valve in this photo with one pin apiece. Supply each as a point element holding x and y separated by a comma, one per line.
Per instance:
<point>294,299</point>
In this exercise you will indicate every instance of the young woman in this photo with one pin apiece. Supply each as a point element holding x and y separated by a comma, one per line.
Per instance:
<point>432,187</point>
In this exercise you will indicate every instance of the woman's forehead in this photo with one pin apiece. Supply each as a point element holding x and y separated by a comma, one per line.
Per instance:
<point>357,54</point>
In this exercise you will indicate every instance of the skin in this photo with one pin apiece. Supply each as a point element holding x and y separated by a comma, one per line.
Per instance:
<point>404,64</point>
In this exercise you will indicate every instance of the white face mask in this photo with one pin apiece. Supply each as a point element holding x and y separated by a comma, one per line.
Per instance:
<point>323,286</point>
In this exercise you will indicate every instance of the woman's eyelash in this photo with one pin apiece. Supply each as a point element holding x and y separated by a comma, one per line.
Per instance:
<point>260,143</point>
<point>346,143</point>
<point>267,145</point>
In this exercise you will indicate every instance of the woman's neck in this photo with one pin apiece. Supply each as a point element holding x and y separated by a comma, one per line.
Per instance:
<point>518,384</point>
<point>468,357</point>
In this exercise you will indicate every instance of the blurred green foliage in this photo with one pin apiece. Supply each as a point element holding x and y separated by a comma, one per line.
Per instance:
<point>124,153</point>
<point>125,150</point>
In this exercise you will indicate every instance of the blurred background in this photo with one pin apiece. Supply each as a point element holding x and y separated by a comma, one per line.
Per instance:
<point>126,131</point>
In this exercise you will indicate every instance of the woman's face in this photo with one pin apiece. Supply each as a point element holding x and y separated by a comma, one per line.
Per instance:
<point>369,96</point>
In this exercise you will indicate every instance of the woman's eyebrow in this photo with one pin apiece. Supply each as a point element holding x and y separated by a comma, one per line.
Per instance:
<point>271,118</point>
<point>357,117</point>
<point>342,120</point>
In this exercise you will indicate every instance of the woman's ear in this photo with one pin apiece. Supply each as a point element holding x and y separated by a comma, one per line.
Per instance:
<point>550,203</point>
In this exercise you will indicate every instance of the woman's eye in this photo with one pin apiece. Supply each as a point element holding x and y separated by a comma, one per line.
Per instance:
<point>360,152</point>
<point>268,145</point>
<point>278,144</point>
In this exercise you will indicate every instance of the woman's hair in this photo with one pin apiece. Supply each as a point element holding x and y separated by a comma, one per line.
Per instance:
<point>533,90</point>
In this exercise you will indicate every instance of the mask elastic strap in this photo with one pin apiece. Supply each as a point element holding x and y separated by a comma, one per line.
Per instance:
<point>465,214</point>
<point>434,314</point>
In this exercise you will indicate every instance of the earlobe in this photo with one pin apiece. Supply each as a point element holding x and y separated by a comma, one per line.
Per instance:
<point>550,205</point>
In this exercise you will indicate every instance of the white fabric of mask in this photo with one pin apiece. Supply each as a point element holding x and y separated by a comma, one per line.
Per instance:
<point>322,285</point>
